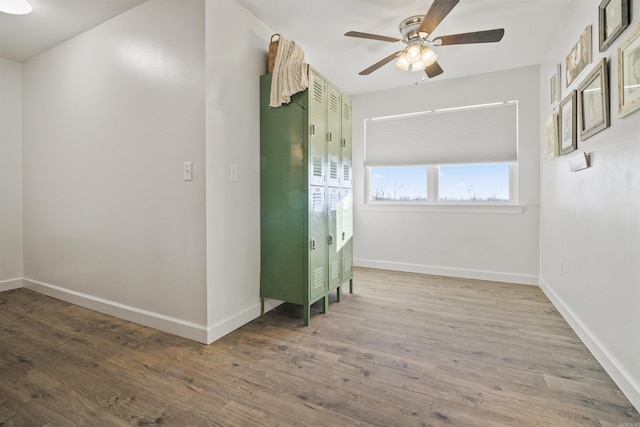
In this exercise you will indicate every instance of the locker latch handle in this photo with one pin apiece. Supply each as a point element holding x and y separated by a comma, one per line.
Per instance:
<point>313,129</point>
<point>344,235</point>
<point>313,244</point>
<point>330,239</point>
<point>344,142</point>
<point>330,136</point>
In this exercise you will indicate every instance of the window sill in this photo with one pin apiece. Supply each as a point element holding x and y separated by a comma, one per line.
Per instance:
<point>443,208</point>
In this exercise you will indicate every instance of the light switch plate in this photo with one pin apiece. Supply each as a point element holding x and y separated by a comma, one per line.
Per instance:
<point>188,171</point>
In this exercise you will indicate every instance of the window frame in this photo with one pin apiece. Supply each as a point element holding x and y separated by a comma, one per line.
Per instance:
<point>433,201</point>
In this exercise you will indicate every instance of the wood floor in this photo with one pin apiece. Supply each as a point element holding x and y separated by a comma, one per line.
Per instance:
<point>403,350</point>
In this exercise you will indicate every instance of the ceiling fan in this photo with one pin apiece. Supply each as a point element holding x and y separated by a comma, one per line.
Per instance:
<point>416,32</point>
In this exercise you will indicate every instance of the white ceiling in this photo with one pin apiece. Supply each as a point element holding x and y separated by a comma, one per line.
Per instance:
<point>52,22</point>
<point>318,26</point>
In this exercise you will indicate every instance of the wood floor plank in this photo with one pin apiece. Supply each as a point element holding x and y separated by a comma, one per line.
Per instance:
<point>404,350</point>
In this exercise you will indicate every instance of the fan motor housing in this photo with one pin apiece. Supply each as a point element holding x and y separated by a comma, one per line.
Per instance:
<point>409,28</point>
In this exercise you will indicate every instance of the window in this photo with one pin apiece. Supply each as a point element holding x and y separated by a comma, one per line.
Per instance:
<point>457,156</point>
<point>474,183</point>
<point>400,183</point>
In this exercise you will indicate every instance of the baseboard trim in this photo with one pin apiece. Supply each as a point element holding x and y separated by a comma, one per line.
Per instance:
<point>172,325</point>
<point>9,284</point>
<point>521,279</point>
<point>623,379</point>
<point>231,323</point>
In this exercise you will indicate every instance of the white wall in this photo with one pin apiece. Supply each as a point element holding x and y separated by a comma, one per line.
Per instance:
<point>479,243</point>
<point>591,219</point>
<point>109,118</point>
<point>10,174</point>
<point>236,49</point>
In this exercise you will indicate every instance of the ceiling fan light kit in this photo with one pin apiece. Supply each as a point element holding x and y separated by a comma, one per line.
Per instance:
<point>416,59</point>
<point>416,30</point>
<point>15,7</point>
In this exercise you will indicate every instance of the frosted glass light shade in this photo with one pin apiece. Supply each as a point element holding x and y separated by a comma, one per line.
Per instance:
<point>413,53</point>
<point>416,58</point>
<point>402,63</point>
<point>417,66</point>
<point>428,56</point>
<point>15,7</point>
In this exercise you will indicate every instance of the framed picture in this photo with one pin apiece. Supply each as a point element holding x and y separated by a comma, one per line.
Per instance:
<point>554,86</point>
<point>567,135</point>
<point>579,56</point>
<point>593,99</point>
<point>629,74</point>
<point>613,18</point>
<point>551,136</point>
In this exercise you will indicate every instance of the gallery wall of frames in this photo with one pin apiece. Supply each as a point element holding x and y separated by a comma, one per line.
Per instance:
<point>585,109</point>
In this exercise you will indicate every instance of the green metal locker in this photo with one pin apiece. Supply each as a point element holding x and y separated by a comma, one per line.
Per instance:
<point>301,151</point>
<point>346,250</point>
<point>334,262</point>
<point>345,156</point>
<point>334,137</point>
<point>346,196</point>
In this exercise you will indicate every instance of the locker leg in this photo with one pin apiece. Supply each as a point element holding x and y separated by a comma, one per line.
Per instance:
<point>261,306</point>
<point>339,293</point>
<point>307,314</point>
<point>325,303</point>
<point>351,285</point>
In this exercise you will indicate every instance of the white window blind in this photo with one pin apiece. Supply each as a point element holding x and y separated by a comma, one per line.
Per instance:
<point>479,134</point>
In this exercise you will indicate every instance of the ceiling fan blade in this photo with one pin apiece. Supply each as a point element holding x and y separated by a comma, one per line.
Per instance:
<point>437,12</point>
<point>371,36</point>
<point>433,70</point>
<point>488,36</point>
<point>380,63</point>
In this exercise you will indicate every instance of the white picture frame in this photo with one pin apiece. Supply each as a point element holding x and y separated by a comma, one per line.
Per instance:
<point>567,129</point>
<point>555,86</point>
<point>551,136</point>
<point>629,74</point>
<point>578,57</point>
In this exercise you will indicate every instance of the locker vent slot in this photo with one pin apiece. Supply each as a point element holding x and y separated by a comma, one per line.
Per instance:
<point>317,166</point>
<point>334,103</point>
<point>346,173</point>
<point>335,270</point>
<point>318,281</point>
<point>346,111</point>
<point>346,262</point>
<point>318,203</point>
<point>318,90</point>
<point>333,170</point>
<point>333,201</point>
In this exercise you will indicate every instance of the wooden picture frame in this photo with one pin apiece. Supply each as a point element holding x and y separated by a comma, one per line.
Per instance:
<point>613,18</point>
<point>567,135</point>
<point>593,101</point>
<point>629,74</point>
<point>554,86</point>
<point>579,56</point>
<point>551,136</point>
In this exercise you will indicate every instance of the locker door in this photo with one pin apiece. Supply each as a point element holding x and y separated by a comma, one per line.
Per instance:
<point>347,172</point>
<point>334,138</point>
<point>317,243</point>
<point>317,128</point>
<point>333,236</point>
<point>345,209</point>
